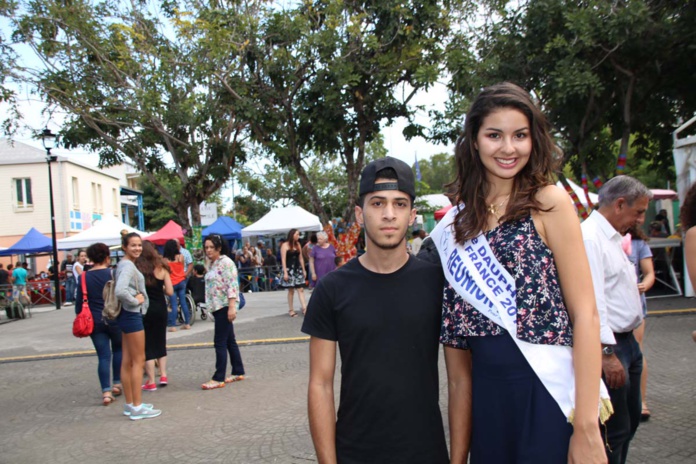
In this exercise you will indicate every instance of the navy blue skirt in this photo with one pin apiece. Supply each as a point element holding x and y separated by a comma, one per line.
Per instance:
<point>515,419</point>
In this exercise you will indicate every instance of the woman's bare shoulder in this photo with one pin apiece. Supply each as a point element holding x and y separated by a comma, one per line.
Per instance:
<point>551,195</point>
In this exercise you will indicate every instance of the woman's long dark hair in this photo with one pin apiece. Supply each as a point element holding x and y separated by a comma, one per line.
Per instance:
<point>291,239</point>
<point>171,249</point>
<point>471,186</point>
<point>148,261</point>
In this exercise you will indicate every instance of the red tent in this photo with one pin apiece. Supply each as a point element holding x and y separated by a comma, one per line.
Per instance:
<point>170,231</point>
<point>440,213</point>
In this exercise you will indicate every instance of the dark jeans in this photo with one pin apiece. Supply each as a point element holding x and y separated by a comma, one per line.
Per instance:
<point>102,336</point>
<point>70,289</point>
<point>626,400</point>
<point>224,342</point>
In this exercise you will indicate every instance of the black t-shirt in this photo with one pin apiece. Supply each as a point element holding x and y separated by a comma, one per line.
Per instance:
<point>196,285</point>
<point>4,277</point>
<point>387,328</point>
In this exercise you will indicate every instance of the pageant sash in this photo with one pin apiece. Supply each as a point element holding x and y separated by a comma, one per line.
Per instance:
<point>480,279</point>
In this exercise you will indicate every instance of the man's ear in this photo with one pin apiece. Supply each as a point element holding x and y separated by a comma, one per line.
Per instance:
<point>412,217</point>
<point>359,215</point>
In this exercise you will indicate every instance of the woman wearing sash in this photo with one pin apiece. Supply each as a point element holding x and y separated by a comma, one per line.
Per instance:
<point>512,218</point>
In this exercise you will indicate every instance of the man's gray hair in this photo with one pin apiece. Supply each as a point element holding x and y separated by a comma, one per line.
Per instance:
<point>323,235</point>
<point>626,187</point>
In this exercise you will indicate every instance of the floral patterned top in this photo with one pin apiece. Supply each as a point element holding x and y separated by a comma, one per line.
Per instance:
<point>542,317</point>
<point>221,284</point>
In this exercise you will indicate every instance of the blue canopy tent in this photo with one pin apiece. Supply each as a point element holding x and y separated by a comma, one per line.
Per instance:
<point>225,226</point>
<point>33,242</point>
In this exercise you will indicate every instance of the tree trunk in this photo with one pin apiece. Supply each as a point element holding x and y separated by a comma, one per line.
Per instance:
<point>626,132</point>
<point>195,213</point>
<point>307,184</point>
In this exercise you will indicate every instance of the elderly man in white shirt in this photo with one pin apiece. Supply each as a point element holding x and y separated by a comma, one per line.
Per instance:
<point>623,201</point>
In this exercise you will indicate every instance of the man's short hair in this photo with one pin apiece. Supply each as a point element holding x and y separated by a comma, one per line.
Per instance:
<point>199,268</point>
<point>415,233</point>
<point>626,187</point>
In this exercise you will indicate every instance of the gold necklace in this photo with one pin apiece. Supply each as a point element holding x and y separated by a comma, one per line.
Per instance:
<point>493,208</point>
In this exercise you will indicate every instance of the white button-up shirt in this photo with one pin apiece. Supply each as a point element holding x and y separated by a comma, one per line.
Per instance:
<point>613,277</point>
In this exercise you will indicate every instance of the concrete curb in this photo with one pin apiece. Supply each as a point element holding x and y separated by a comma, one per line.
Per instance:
<point>183,346</point>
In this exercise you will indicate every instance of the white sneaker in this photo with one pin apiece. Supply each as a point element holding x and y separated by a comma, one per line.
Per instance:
<point>128,408</point>
<point>144,413</point>
<point>67,303</point>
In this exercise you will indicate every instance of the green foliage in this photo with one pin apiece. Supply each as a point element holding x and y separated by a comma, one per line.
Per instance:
<point>140,81</point>
<point>329,74</point>
<point>436,172</point>
<point>602,71</point>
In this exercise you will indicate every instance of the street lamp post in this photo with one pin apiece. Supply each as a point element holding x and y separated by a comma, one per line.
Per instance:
<point>48,139</point>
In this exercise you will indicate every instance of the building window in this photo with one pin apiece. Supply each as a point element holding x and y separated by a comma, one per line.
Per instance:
<point>100,200</point>
<point>94,197</point>
<point>75,194</point>
<point>116,202</point>
<point>23,197</point>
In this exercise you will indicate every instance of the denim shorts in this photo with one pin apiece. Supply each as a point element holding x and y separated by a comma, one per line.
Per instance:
<point>130,321</point>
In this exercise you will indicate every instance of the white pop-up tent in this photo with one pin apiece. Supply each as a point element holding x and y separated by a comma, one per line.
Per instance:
<point>107,231</point>
<point>281,220</point>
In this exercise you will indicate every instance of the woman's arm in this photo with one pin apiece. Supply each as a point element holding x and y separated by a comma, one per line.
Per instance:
<point>690,254</point>
<point>311,266</point>
<point>168,287</point>
<point>126,276</point>
<point>458,364</point>
<point>562,233</point>
<point>302,266</point>
<point>283,253</point>
<point>648,271</point>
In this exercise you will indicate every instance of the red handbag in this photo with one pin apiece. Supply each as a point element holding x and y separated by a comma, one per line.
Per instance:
<point>83,325</point>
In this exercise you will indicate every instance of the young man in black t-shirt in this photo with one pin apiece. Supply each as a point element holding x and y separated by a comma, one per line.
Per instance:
<point>383,310</point>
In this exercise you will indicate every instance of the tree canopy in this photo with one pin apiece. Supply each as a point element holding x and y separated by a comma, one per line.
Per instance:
<point>140,81</point>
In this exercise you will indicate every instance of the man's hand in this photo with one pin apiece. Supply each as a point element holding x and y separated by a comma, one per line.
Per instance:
<point>613,371</point>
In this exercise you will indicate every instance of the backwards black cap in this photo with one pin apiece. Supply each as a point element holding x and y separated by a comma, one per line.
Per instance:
<point>405,182</point>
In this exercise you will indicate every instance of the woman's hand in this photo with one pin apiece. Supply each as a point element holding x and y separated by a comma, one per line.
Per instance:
<point>314,277</point>
<point>642,288</point>
<point>231,313</point>
<point>587,447</point>
<point>285,276</point>
<point>140,297</point>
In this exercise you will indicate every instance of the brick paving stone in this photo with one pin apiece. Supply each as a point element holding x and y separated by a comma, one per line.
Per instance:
<point>52,412</point>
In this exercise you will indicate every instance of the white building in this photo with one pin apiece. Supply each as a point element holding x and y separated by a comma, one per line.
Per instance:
<point>82,194</point>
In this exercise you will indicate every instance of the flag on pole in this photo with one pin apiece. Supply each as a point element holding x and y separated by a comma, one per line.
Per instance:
<point>418,173</point>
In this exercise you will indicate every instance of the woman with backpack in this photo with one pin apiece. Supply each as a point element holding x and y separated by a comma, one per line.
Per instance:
<point>130,291</point>
<point>106,338</point>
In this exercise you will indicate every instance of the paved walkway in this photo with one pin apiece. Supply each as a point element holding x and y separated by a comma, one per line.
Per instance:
<point>51,408</point>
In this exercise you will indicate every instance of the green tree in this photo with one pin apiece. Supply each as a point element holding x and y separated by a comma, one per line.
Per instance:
<point>602,71</point>
<point>139,81</point>
<point>436,173</point>
<point>328,75</point>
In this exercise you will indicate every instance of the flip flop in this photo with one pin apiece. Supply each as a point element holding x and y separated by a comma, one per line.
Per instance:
<point>212,385</point>
<point>645,415</point>
<point>107,399</point>
<point>292,313</point>
<point>234,378</point>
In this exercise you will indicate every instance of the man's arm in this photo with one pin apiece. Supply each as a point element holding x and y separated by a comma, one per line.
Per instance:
<point>458,364</point>
<point>322,410</point>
